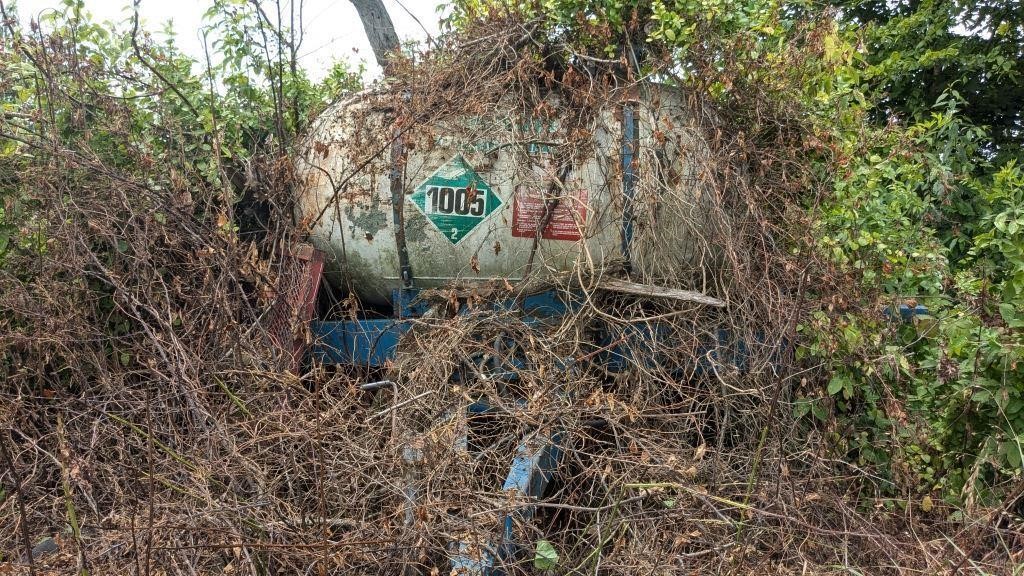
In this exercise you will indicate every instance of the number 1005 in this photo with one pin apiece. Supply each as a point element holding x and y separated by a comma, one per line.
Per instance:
<point>445,200</point>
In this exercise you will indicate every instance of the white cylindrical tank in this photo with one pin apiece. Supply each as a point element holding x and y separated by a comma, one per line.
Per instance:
<point>475,189</point>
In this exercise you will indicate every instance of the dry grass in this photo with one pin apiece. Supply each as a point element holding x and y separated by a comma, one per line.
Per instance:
<point>152,427</point>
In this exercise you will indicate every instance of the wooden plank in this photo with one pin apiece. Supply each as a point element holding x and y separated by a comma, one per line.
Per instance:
<point>627,287</point>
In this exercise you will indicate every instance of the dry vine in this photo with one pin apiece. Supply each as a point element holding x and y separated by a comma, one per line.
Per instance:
<point>152,427</point>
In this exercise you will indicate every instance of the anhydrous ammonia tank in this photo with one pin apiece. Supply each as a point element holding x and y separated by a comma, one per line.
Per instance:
<point>467,195</point>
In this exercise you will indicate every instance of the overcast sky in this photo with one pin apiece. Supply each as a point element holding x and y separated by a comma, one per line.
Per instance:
<point>332,27</point>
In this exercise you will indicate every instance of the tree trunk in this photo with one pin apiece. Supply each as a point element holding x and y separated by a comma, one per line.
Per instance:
<point>379,29</point>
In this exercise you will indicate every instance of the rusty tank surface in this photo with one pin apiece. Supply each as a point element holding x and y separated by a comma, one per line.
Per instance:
<point>484,199</point>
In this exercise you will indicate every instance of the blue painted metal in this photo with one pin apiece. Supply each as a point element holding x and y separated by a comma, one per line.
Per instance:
<point>483,406</point>
<point>532,468</point>
<point>634,343</point>
<point>536,459</point>
<point>505,369</point>
<point>413,458</point>
<point>473,559</point>
<point>547,304</point>
<point>907,313</point>
<point>407,303</point>
<point>370,342</point>
<point>630,142</point>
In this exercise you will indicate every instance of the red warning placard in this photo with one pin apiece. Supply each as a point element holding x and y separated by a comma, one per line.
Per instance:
<point>567,219</point>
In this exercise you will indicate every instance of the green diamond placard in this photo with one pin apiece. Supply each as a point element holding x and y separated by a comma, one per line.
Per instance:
<point>455,199</point>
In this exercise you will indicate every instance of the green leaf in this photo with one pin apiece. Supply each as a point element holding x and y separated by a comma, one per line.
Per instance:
<point>819,412</point>
<point>1013,455</point>
<point>1008,312</point>
<point>546,557</point>
<point>836,384</point>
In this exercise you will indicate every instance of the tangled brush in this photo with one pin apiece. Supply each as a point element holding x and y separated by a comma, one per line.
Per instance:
<point>154,426</point>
